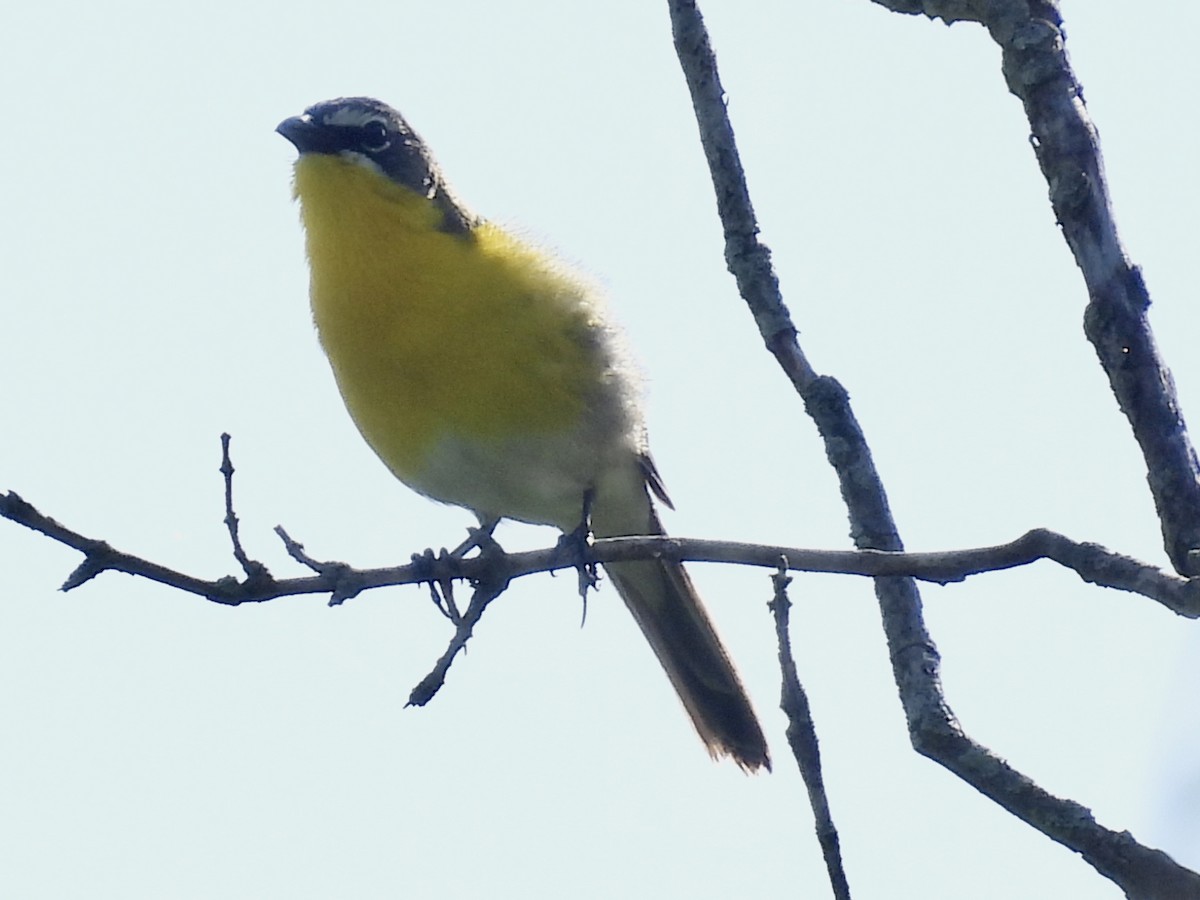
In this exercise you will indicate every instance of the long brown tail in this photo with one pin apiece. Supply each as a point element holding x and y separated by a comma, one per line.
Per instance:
<point>667,608</point>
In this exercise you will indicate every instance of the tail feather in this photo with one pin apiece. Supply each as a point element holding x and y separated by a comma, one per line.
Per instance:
<point>663,601</point>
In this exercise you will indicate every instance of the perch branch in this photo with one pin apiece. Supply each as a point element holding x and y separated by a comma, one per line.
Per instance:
<point>1091,562</point>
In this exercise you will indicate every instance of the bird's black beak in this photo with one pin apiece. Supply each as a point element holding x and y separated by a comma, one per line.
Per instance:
<point>306,135</point>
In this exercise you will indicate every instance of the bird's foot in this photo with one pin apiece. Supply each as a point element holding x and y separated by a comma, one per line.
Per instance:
<point>434,569</point>
<point>440,569</point>
<point>574,548</point>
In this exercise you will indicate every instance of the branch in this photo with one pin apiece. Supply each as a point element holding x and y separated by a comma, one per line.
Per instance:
<point>802,737</point>
<point>1093,563</point>
<point>936,737</point>
<point>465,626</point>
<point>933,729</point>
<point>1067,146</point>
<point>254,570</point>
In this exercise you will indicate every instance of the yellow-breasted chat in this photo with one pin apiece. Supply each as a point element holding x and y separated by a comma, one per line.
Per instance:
<point>485,374</point>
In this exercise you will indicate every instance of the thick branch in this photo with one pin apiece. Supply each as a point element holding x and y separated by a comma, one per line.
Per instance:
<point>1038,71</point>
<point>933,728</point>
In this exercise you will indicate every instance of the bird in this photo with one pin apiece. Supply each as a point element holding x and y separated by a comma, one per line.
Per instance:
<point>487,374</point>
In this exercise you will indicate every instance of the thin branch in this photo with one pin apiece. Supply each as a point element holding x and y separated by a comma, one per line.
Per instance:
<point>1091,562</point>
<point>802,737</point>
<point>98,555</point>
<point>432,683</point>
<point>933,729</point>
<point>347,582</point>
<point>254,569</point>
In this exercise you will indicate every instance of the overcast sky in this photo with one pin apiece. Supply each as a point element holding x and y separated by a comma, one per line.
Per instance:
<point>154,292</point>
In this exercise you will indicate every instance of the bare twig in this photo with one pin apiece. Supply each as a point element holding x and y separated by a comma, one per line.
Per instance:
<point>98,555</point>
<point>255,570</point>
<point>933,729</point>
<point>429,686</point>
<point>346,580</point>
<point>802,737</point>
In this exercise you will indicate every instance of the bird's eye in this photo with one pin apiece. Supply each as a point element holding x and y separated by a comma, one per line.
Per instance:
<point>375,137</point>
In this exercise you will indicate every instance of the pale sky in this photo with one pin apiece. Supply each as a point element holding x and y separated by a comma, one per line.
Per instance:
<point>157,746</point>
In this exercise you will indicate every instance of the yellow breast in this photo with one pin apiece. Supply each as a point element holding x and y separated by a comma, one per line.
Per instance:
<point>435,336</point>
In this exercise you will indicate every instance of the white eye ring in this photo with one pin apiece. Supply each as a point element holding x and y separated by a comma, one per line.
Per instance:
<point>375,136</point>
